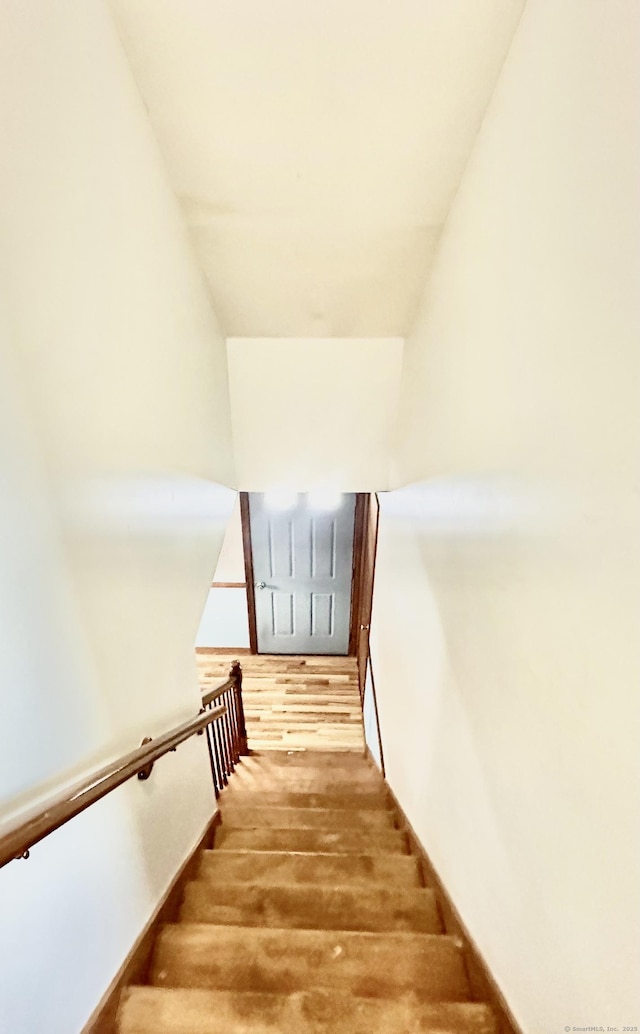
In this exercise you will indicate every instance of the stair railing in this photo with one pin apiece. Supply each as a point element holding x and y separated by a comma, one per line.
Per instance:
<point>224,724</point>
<point>227,739</point>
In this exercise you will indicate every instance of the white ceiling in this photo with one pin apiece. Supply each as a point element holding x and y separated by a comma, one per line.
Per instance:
<point>316,145</point>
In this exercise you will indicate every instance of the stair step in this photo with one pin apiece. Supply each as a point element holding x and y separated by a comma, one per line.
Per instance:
<point>303,705</point>
<point>283,734</point>
<point>316,682</point>
<point>307,779</point>
<point>348,766</point>
<point>306,723</point>
<point>332,675</point>
<point>311,907</point>
<point>377,800</point>
<point>313,758</point>
<point>155,1010</point>
<point>238,817</point>
<point>318,841</point>
<point>257,959</point>
<point>268,867</point>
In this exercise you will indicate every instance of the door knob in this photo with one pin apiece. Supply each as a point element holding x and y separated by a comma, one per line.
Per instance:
<point>261,585</point>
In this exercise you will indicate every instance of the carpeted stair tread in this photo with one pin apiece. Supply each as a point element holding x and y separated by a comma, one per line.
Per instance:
<point>311,906</point>
<point>310,758</point>
<point>306,779</point>
<point>149,1010</point>
<point>237,816</point>
<point>267,867</point>
<point>375,800</point>
<point>275,960</point>
<point>319,841</point>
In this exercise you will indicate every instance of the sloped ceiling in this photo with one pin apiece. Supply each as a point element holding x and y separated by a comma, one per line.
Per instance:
<point>316,145</point>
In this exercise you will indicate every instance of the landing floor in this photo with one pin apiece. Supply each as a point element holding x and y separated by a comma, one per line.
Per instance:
<point>294,703</point>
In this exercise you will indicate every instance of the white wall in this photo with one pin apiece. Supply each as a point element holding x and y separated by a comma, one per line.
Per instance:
<point>504,636</point>
<point>115,437</point>
<point>313,412</point>
<point>230,566</point>
<point>225,619</point>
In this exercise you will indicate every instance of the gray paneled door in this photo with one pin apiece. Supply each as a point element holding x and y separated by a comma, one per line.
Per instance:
<point>302,566</point>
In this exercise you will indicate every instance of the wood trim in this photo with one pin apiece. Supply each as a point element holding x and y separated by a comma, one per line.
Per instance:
<point>359,526</point>
<point>360,517</point>
<point>375,708</point>
<point>243,650</point>
<point>372,761</point>
<point>366,567</point>
<point>248,570</point>
<point>228,585</point>
<point>135,968</point>
<point>483,985</point>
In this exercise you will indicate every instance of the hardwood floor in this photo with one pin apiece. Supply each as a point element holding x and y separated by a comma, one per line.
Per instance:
<point>292,702</point>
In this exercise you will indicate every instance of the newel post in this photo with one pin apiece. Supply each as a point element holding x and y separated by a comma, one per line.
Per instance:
<point>236,675</point>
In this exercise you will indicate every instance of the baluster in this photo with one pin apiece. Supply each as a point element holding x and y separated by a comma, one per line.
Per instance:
<point>226,719</point>
<point>224,738</point>
<point>231,705</point>
<point>216,758</point>
<point>220,752</point>
<point>211,757</point>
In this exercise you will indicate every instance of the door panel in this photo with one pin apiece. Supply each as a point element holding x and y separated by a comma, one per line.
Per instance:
<point>302,571</point>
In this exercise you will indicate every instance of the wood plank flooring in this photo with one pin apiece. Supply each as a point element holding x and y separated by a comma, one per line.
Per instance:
<point>293,702</point>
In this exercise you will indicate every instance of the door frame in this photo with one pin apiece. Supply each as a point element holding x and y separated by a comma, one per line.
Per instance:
<point>357,570</point>
<point>366,580</point>
<point>248,571</point>
<point>359,532</point>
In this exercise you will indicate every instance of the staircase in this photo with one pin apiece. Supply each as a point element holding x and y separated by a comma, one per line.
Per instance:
<point>309,915</point>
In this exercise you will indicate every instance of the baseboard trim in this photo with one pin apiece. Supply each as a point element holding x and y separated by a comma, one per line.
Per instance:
<point>243,650</point>
<point>483,985</point>
<point>135,968</point>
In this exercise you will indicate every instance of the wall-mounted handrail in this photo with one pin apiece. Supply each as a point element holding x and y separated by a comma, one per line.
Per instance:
<point>226,745</point>
<point>18,837</point>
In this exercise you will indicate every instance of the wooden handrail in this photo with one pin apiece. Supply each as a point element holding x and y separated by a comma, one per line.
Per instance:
<point>19,836</point>
<point>215,694</point>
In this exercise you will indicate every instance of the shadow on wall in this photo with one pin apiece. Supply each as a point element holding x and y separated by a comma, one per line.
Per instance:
<point>225,619</point>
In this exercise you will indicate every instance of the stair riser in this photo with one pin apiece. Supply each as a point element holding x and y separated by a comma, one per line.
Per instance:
<point>311,908</point>
<point>235,795</point>
<point>362,774</point>
<point>234,817</point>
<point>148,1010</point>
<point>230,958</point>
<point>338,766</point>
<point>263,868</point>
<point>312,840</point>
<point>310,758</point>
<point>265,684</point>
<point>307,781</point>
